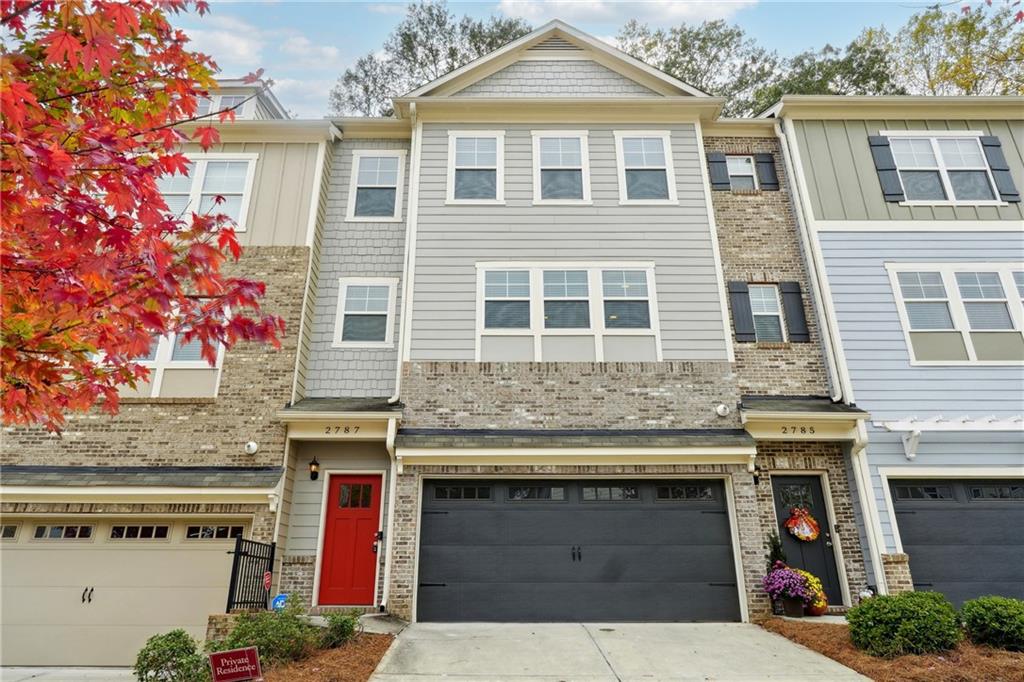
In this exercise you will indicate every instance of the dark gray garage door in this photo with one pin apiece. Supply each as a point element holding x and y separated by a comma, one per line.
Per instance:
<point>548,551</point>
<point>964,538</point>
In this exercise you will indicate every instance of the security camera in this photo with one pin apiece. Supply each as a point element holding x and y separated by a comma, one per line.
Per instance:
<point>252,447</point>
<point>723,410</point>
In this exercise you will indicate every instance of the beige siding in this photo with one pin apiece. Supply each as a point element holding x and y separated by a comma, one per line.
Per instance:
<point>843,184</point>
<point>279,205</point>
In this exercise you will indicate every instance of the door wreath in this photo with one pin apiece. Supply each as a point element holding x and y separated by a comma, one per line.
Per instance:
<point>802,525</point>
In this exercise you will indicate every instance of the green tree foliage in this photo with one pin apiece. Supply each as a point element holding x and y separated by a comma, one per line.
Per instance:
<point>864,67</point>
<point>979,51</point>
<point>713,57</point>
<point>428,43</point>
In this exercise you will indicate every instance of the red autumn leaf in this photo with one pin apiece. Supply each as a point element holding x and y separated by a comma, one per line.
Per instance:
<point>61,47</point>
<point>253,76</point>
<point>207,136</point>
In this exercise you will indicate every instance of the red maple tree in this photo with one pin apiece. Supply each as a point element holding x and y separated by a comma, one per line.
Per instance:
<point>94,266</point>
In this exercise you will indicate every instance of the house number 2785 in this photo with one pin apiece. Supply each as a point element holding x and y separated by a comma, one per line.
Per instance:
<point>335,430</point>
<point>794,430</point>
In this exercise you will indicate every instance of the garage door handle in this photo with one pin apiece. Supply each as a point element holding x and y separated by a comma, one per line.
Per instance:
<point>90,594</point>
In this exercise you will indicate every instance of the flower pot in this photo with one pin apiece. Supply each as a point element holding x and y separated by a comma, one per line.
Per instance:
<point>793,607</point>
<point>812,610</point>
<point>777,609</point>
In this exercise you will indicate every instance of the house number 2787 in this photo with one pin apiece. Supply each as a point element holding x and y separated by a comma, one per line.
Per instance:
<point>794,430</point>
<point>334,430</point>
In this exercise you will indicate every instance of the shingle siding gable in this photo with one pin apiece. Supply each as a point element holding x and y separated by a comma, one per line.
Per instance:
<point>556,78</point>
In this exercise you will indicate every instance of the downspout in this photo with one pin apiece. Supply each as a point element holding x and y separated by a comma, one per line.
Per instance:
<point>827,342</point>
<point>389,443</point>
<point>410,235</point>
<point>837,390</point>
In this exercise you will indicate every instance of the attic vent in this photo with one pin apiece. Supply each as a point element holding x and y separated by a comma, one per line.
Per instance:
<point>556,43</point>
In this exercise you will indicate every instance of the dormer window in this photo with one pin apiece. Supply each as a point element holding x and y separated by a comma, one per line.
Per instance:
<point>561,167</point>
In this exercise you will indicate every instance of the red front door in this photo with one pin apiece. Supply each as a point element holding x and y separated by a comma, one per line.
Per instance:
<point>350,540</point>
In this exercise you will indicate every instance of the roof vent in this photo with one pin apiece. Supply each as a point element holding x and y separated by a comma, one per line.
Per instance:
<point>556,43</point>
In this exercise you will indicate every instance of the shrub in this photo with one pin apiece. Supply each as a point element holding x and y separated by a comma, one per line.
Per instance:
<point>908,623</point>
<point>281,636</point>
<point>341,627</point>
<point>171,657</point>
<point>995,621</point>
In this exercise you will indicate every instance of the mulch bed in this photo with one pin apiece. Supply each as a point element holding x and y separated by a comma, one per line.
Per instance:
<point>352,662</point>
<point>966,663</point>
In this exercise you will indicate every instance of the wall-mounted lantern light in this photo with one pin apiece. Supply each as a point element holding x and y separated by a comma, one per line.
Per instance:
<point>314,470</point>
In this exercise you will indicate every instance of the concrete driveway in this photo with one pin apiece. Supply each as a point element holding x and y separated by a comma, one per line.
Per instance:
<point>615,652</point>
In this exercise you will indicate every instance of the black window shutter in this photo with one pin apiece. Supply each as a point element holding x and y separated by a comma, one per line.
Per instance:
<point>885,166</point>
<point>767,178</point>
<point>793,305</point>
<point>1000,169</point>
<point>719,171</point>
<point>742,316</point>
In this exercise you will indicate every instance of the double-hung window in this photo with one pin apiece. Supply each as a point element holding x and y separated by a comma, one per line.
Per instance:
<point>366,312</point>
<point>942,169</point>
<point>955,313</point>
<point>218,103</point>
<point>216,183</point>
<point>645,167</point>
<point>767,311</point>
<point>626,299</point>
<point>375,194</point>
<point>566,299</point>
<point>742,173</point>
<point>476,166</point>
<point>561,167</point>
<point>567,311</point>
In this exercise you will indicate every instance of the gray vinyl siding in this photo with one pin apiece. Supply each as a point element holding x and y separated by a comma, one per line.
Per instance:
<point>316,251</point>
<point>843,184</point>
<point>884,382</point>
<point>307,496</point>
<point>452,239</point>
<point>353,249</point>
<point>556,78</point>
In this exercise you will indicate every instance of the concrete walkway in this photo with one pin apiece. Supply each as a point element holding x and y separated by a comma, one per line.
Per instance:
<point>591,652</point>
<point>66,674</point>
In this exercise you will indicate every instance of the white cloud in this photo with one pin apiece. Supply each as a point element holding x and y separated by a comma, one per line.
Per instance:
<point>236,45</point>
<point>387,7</point>
<point>304,52</point>
<point>306,98</point>
<point>659,12</point>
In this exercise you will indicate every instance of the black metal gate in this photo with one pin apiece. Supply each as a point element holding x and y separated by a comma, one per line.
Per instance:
<point>253,560</point>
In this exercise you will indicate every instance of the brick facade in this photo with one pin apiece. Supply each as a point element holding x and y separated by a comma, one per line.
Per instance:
<point>758,242</point>
<point>568,395</point>
<point>256,381</point>
<point>815,458</point>
<point>897,573</point>
<point>297,573</point>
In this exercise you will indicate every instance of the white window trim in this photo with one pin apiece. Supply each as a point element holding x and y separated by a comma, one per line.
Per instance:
<point>339,317</point>
<point>46,539</point>
<point>17,532</point>
<point>933,136</point>
<point>198,175</point>
<point>246,111</point>
<point>499,195</point>
<point>162,362</point>
<point>670,172</point>
<point>781,314</point>
<point>957,311</point>
<point>596,300</point>
<point>350,209</point>
<point>582,135</point>
<point>753,171</point>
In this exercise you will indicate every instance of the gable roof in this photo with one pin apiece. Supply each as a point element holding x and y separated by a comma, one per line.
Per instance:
<point>556,36</point>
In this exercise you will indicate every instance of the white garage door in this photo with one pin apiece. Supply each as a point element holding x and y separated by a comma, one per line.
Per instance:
<point>90,592</point>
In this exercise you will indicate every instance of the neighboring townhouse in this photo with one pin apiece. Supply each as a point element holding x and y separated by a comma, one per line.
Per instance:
<point>564,361</point>
<point>120,527</point>
<point>912,209</point>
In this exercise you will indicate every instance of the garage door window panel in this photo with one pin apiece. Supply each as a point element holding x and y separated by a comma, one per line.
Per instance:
<point>9,531</point>
<point>609,493</point>
<point>55,532</point>
<point>536,493</point>
<point>681,492</point>
<point>997,492</point>
<point>219,532</point>
<point>462,492</point>
<point>924,492</point>
<point>134,532</point>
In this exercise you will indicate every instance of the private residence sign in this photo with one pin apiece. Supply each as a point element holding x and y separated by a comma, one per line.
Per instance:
<point>237,665</point>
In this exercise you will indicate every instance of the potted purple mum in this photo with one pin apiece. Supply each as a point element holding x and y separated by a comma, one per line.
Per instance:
<point>786,585</point>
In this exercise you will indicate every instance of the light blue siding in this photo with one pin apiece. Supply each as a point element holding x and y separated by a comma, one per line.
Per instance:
<point>885,383</point>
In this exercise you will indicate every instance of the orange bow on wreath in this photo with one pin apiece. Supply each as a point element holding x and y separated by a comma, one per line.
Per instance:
<point>802,525</point>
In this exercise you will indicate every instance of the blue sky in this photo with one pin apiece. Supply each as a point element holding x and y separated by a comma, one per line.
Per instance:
<point>305,46</point>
